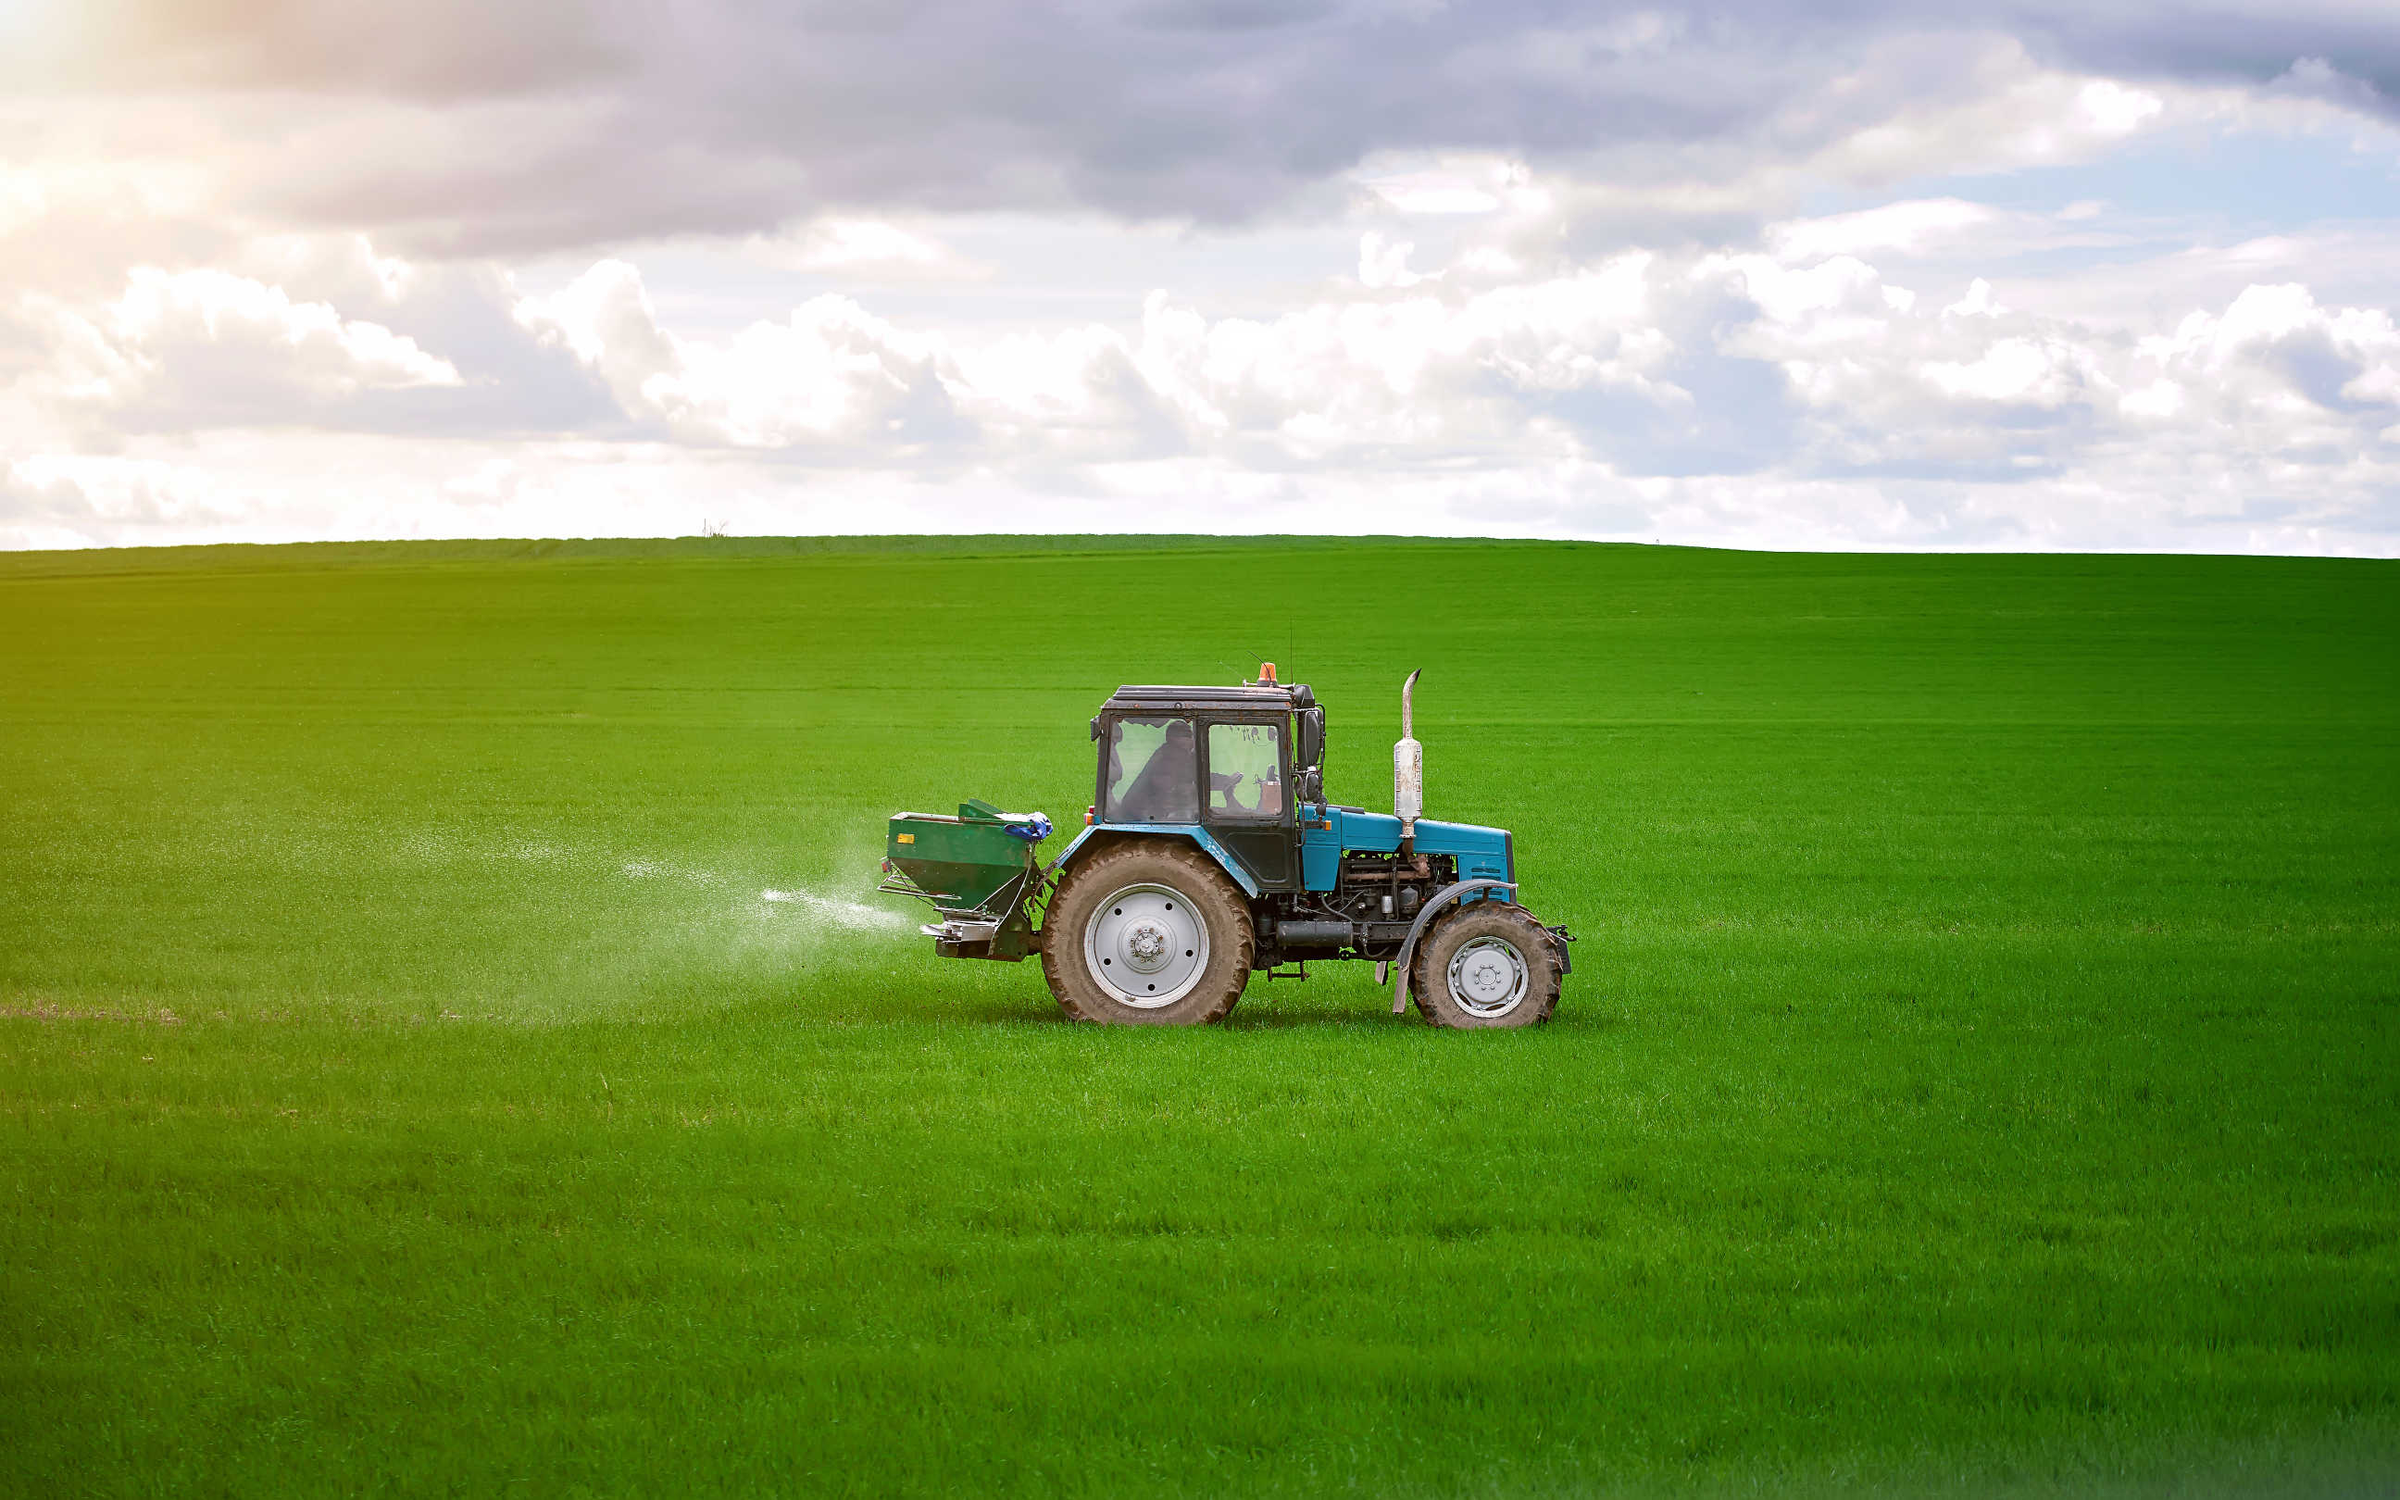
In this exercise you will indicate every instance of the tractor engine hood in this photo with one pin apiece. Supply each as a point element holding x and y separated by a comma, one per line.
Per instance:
<point>1481,851</point>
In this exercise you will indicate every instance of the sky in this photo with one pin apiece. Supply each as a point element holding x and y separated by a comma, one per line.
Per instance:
<point>2034,275</point>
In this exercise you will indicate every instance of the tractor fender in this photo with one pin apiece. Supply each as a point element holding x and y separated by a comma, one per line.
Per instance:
<point>1425,916</point>
<point>1192,831</point>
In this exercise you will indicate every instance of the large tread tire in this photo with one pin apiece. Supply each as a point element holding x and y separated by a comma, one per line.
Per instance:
<point>1429,975</point>
<point>1180,866</point>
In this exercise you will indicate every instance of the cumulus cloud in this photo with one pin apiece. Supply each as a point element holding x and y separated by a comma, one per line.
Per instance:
<point>298,330</point>
<point>828,376</point>
<point>1800,364</point>
<point>203,347</point>
<point>1643,365</point>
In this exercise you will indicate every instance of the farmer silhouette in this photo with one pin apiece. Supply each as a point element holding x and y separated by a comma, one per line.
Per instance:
<point>1164,791</point>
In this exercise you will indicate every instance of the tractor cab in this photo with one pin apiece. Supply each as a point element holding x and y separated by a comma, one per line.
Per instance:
<point>1232,765</point>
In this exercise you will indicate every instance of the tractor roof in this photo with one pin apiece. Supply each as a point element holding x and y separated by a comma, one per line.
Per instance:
<point>1281,697</point>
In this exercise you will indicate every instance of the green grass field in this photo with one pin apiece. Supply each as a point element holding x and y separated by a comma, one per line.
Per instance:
<point>448,1042</point>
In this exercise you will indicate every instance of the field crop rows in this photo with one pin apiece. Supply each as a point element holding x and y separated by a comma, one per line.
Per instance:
<point>448,1037</point>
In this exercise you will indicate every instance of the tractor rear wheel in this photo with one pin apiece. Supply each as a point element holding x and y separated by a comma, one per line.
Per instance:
<point>1487,964</point>
<point>1147,932</point>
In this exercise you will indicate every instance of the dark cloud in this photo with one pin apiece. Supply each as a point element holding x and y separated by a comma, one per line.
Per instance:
<point>2252,42</point>
<point>472,127</point>
<point>543,123</point>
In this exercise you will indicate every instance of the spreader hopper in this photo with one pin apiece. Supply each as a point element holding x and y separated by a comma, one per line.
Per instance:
<point>975,868</point>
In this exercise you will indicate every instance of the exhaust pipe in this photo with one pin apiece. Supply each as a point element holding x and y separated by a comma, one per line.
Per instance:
<point>1408,771</point>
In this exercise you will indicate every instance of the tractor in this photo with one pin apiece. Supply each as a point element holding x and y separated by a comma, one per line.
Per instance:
<point>1210,853</point>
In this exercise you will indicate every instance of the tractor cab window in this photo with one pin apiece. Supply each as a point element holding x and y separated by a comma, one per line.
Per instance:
<point>1245,771</point>
<point>1153,773</point>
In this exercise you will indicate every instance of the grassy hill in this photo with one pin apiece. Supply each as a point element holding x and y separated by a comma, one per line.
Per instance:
<point>447,1036</point>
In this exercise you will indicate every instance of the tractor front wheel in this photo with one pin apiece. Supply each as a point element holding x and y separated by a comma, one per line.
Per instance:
<point>1487,964</point>
<point>1147,932</point>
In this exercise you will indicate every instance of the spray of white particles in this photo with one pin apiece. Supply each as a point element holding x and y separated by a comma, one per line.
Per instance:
<point>665,869</point>
<point>852,916</point>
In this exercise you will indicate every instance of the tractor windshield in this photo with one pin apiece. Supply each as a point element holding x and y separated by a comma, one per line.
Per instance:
<point>1245,771</point>
<point>1153,774</point>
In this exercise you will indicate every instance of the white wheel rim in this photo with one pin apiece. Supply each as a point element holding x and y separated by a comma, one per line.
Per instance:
<point>1488,977</point>
<point>1146,946</point>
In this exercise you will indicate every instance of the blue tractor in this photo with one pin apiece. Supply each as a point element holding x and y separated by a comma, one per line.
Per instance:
<point>1211,853</point>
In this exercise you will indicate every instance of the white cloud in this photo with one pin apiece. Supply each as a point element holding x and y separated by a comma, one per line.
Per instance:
<point>2012,370</point>
<point>831,373</point>
<point>163,315</point>
<point>1383,263</point>
<point>1994,109</point>
<point>1638,366</point>
<point>828,374</point>
<point>1637,393</point>
<point>70,501</point>
<point>604,317</point>
<point>1977,303</point>
<point>73,224</point>
<point>864,249</point>
<point>1463,183</point>
<point>206,347</point>
<point>1909,226</point>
